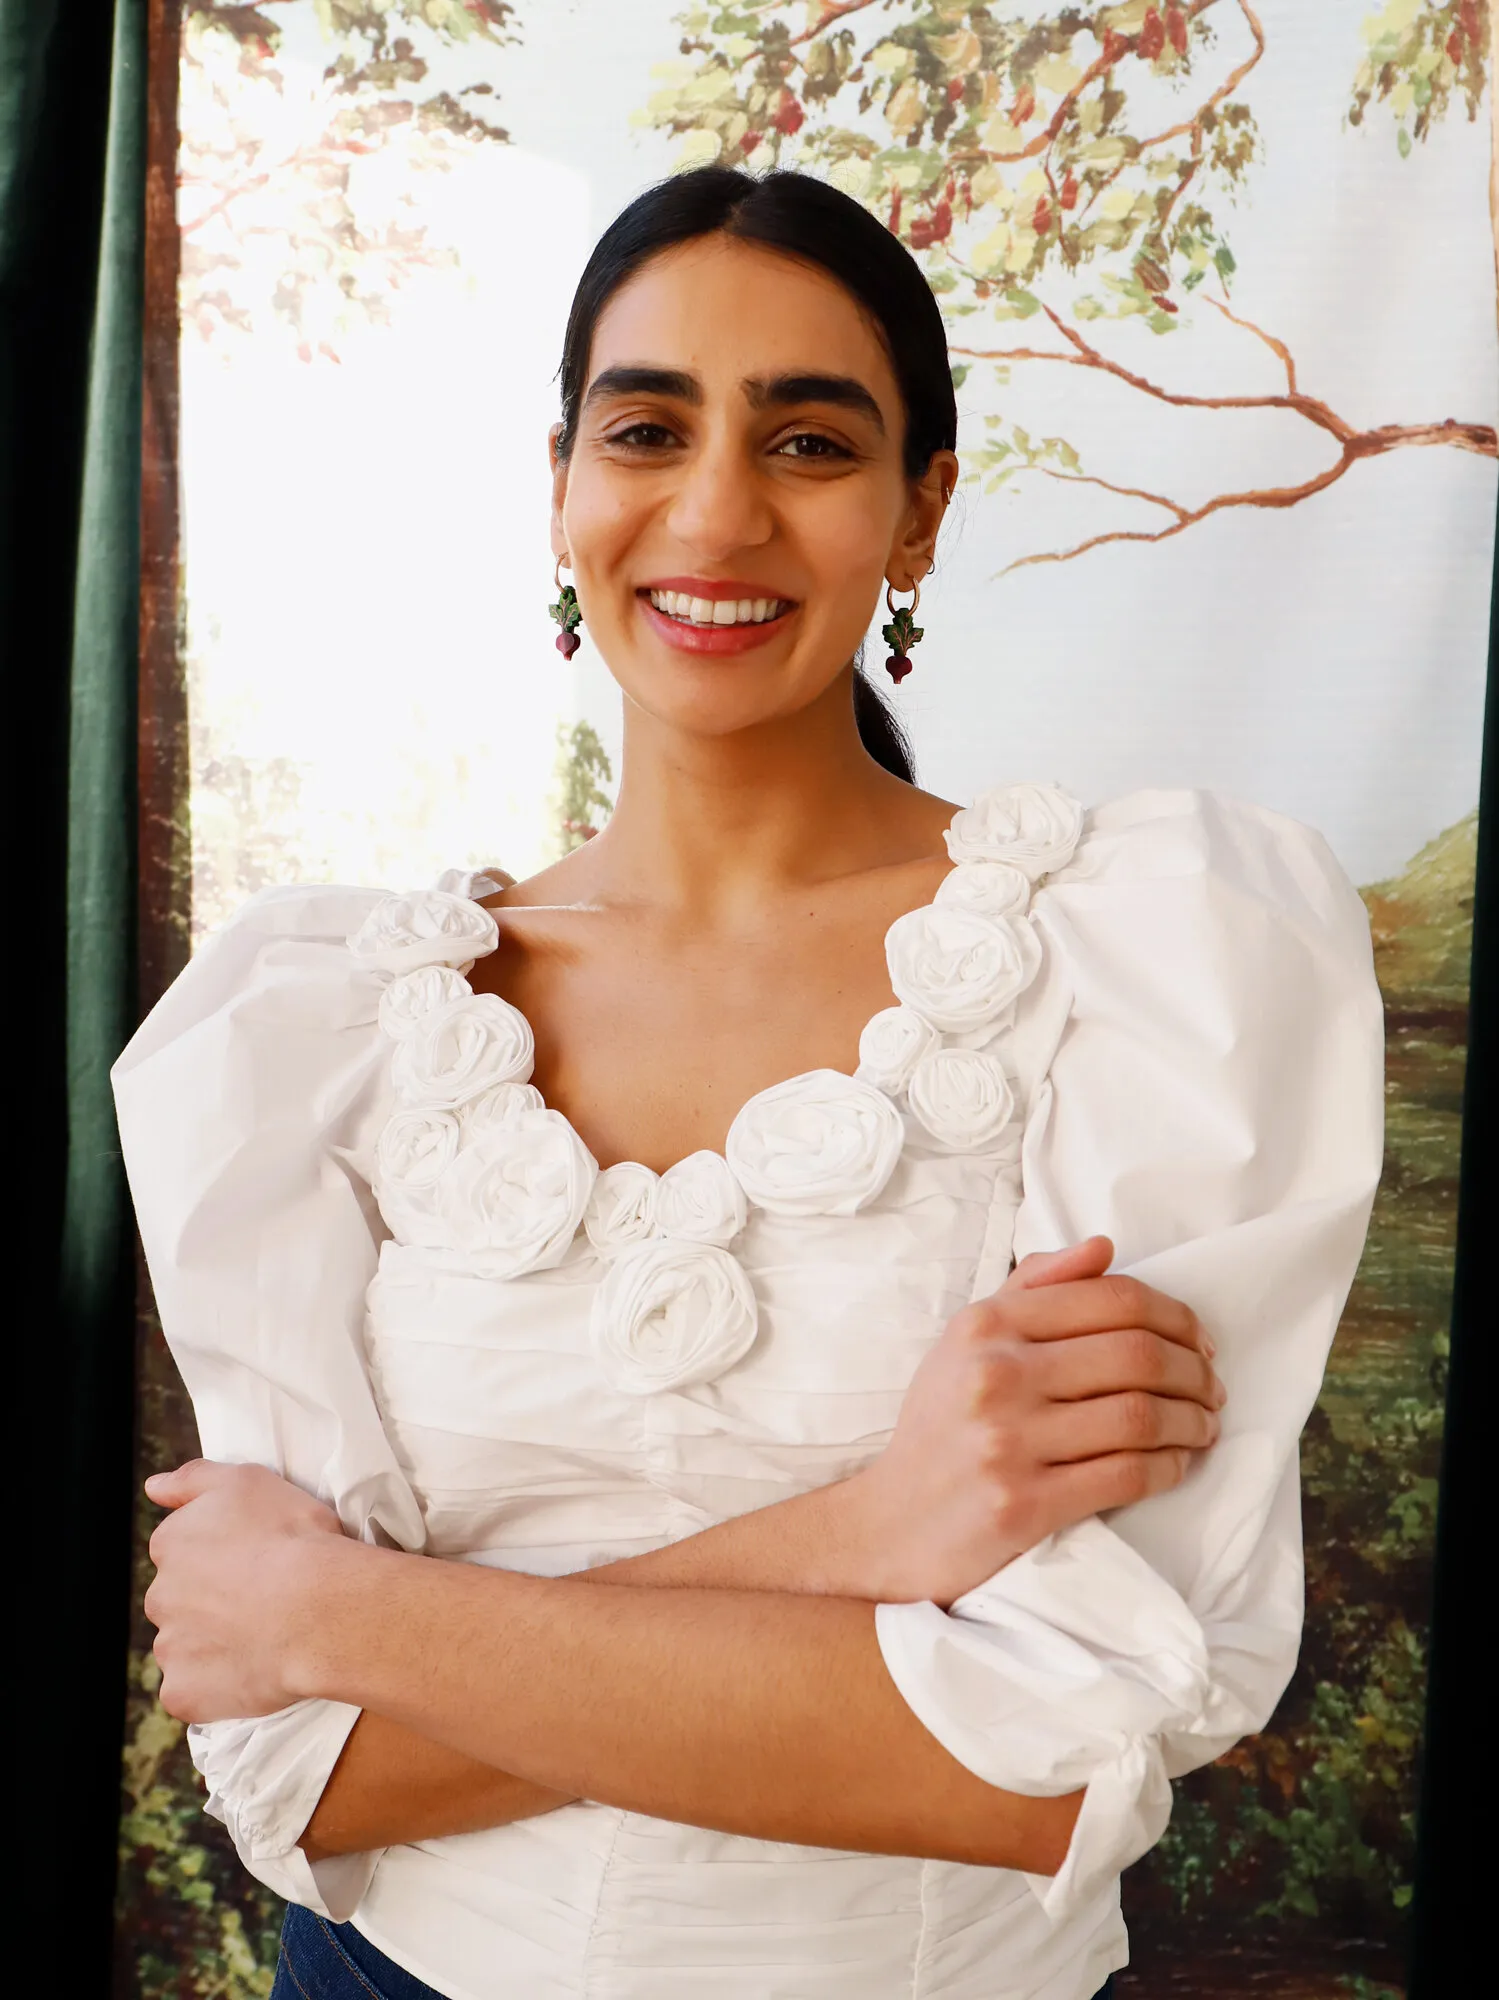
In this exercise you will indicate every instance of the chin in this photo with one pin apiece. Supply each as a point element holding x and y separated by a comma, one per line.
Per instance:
<point>719,698</point>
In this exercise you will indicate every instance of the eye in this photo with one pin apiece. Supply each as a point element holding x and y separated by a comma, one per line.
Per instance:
<point>643,436</point>
<point>811,444</point>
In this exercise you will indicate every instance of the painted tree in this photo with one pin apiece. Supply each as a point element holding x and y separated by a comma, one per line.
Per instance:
<point>580,804</point>
<point>1059,168</point>
<point>295,183</point>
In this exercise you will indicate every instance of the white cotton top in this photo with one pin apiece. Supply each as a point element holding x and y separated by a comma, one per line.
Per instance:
<point>386,1269</point>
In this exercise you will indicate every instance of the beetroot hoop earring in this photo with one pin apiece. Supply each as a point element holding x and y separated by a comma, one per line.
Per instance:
<point>566,614</point>
<point>902,633</point>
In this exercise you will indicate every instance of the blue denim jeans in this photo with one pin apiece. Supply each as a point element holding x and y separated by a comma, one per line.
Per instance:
<point>323,1961</point>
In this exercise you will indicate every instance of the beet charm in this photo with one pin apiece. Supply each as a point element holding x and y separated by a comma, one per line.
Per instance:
<point>565,613</point>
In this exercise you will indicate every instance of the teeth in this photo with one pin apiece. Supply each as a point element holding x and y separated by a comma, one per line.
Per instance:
<point>717,611</point>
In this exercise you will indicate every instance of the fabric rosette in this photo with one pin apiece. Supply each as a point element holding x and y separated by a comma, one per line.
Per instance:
<point>993,888</point>
<point>514,1198</point>
<point>892,1044</point>
<point>819,1144</point>
<point>413,1151</point>
<point>407,1001</point>
<point>466,1047</point>
<point>962,1097</point>
<point>622,1208</point>
<point>429,927</point>
<point>700,1201</point>
<point>498,1105</point>
<point>959,969</point>
<point>1033,827</point>
<point>669,1314</point>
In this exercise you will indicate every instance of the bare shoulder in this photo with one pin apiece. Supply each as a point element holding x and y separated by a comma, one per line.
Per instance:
<point>561,884</point>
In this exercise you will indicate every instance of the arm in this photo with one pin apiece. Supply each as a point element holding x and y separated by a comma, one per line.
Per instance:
<point>248,1105</point>
<point>761,1713</point>
<point>1012,1424</point>
<point>1215,1104</point>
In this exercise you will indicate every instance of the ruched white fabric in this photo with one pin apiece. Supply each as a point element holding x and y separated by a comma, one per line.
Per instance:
<point>1175,1040</point>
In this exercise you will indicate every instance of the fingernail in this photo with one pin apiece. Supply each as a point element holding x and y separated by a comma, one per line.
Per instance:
<point>1209,1345</point>
<point>1220,1394</point>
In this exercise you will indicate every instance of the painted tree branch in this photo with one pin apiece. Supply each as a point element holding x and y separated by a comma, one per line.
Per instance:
<point>1354,444</point>
<point>1478,438</point>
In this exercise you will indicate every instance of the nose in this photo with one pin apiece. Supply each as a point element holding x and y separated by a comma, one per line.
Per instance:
<point>720,507</point>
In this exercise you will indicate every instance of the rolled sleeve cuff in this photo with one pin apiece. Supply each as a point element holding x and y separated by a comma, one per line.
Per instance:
<point>1041,1705</point>
<point>264,1778</point>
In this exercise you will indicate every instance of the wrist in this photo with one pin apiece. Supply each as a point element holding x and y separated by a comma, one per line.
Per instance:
<point>861,1548</point>
<point>322,1598</point>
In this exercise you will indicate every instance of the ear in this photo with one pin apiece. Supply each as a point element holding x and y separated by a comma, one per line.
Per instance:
<point>913,552</point>
<point>559,491</point>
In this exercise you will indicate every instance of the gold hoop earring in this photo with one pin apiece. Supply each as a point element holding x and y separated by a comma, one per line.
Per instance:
<point>565,613</point>
<point>902,633</point>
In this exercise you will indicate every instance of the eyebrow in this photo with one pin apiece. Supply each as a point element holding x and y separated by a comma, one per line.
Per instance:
<point>764,392</point>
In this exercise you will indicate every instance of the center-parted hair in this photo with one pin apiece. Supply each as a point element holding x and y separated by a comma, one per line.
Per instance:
<point>806,219</point>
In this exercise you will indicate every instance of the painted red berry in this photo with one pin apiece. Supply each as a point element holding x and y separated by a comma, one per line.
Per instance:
<point>955,91</point>
<point>789,118</point>
<point>1041,219</point>
<point>1069,192</point>
<point>1176,28</point>
<point>1152,36</point>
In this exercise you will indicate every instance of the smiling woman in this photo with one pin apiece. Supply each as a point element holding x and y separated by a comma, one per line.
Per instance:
<point>796,1329</point>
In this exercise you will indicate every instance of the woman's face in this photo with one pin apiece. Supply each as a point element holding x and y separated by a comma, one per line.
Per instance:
<point>735,497</point>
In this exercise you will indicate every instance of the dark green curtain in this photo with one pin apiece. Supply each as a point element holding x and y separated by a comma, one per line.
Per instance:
<point>1453,1951</point>
<point>72,96</point>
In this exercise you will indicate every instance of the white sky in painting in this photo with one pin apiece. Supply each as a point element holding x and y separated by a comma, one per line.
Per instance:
<point>366,544</point>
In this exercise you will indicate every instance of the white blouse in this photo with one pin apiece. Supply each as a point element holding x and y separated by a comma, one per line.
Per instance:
<point>385,1268</point>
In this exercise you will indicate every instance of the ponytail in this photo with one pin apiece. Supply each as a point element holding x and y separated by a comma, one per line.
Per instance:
<point>881,731</point>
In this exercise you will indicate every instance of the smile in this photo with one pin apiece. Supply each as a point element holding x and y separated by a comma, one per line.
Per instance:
<point>704,611</point>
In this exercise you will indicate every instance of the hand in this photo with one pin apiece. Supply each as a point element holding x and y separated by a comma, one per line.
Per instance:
<point>1065,1394</point>
<point>231,1586</point>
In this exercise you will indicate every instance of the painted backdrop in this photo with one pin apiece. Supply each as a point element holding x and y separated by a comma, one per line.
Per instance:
<point>1220,291</point>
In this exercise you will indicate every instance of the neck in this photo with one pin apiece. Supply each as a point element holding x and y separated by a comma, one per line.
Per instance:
<point>714,824</point>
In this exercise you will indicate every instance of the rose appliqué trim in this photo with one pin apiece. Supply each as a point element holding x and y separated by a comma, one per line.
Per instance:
<point>429,927</point>
<point>474,1161</point>
<point>819,1144</point>
<point>669,1315</point>
<point>1034,828</point>
<point>959,968</point>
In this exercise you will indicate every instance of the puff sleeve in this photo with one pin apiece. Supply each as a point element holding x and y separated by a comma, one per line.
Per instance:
<point>249,1103</point>
<point>1211,1098</point>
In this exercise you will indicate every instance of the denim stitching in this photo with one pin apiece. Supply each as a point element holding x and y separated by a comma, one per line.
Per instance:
<point>323,1925</point>
<point>291,1973</point>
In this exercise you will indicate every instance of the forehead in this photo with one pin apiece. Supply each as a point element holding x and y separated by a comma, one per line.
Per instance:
<point>725,311</point>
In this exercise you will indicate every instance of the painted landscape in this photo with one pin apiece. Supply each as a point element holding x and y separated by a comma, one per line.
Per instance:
<point>1287,1867</point>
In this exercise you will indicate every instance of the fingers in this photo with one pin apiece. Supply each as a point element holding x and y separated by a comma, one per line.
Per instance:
<point>1097,1305</point>
<point>1088,1259</point>
<point>1098,1485</point>
<point>185,1482</point>
<point>1134,1422</point>
<point>1109,1364</point>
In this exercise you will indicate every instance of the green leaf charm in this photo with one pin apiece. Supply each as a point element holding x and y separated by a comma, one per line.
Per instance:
<point>902,633</point>
<point>565,611</point>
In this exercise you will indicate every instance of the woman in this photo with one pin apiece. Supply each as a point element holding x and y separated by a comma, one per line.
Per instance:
<point>789,1652</point>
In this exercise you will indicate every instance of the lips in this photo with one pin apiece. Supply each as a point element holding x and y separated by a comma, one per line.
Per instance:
<point>693,610</point>
<point>698,615</point>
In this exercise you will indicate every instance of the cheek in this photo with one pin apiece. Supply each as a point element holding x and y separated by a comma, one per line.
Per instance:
<point>845,535</point>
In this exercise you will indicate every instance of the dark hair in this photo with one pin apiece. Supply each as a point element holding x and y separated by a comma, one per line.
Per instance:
<point>809,220</point>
